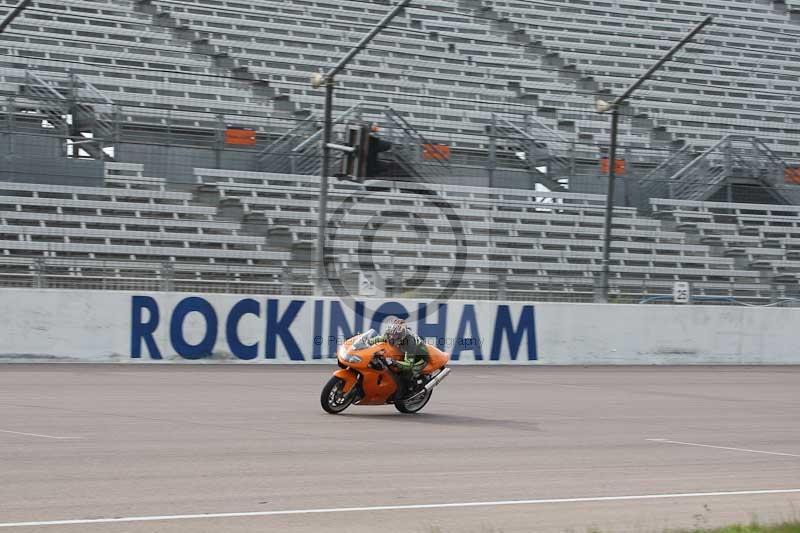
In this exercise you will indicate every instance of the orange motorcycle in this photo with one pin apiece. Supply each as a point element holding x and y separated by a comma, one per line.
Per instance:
<point>368,376</point>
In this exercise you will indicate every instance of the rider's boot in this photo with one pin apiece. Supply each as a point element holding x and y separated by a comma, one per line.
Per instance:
<point>415,381</point>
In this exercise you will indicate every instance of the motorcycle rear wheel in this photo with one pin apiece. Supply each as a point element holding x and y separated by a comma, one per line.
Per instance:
<point>414,406</point>
<point>333,398</point>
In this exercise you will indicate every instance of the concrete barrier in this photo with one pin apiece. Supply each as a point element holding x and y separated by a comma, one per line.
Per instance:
<point>99,326</point>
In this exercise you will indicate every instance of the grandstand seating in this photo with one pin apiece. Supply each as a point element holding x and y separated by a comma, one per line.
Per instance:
<point>710,89</point>
<point>134,61</point>
<point>446,66</point>
<point>518,244</point>
<point>127,228</point>
<point>756,235</point>
<point>451,68</point>
<point>431,231</point>
<point>452,49</point>
<point>434,81</point>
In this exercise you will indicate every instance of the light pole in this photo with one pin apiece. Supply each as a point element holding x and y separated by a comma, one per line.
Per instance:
<point>329,81</point>
<point>14,13</point>
<point>603,107</point>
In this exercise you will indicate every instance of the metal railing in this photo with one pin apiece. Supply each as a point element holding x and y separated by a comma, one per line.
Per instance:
<point>417,155</point>
<point>98,274</point>
<point>656,183</point>
<point>733,156</point>
<point>298,151</point>
<point>273,157</point>
<point>538,145</point>
<point>95,274</point>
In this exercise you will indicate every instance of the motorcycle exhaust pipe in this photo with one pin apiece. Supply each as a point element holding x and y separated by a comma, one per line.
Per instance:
<point>438,379</point>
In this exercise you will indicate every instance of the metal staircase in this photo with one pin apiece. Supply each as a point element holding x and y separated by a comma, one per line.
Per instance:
<point>733,160</point>
<point>86,118</point>
<point>287,153</point>
<point>299,150</point>
<point>409,149</point>
<point>538,146</point>
<point>656,183</point>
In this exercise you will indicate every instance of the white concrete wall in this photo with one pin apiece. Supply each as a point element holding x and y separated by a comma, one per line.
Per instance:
<point>660,334</point>
<point>105,326</point>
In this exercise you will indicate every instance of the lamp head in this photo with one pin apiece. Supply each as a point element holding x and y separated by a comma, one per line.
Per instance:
<point>601,106</point>
<point>317,80</point>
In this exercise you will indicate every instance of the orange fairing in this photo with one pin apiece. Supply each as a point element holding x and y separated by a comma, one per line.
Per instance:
<point>349,377</point>
<point>378,385</point>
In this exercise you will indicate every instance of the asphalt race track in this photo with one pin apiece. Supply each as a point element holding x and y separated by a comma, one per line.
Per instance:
<point>497,449</point>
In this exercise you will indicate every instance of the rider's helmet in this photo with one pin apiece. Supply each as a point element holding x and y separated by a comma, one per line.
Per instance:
<point>396,332</point>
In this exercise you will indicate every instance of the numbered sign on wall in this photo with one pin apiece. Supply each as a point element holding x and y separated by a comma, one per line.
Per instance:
<point>367,285</point>
<point>680,292</point>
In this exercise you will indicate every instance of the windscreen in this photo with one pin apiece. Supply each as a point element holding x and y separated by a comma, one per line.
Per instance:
<point>363,340</point>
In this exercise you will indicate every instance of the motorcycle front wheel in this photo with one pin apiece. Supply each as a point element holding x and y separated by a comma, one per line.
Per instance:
<point>415,405</point>
<point>333,398</point>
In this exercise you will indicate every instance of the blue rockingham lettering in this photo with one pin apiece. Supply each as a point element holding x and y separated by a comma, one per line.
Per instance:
<point>307,329</point>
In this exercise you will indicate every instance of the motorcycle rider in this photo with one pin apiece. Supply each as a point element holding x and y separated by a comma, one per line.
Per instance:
<point>415,351</point>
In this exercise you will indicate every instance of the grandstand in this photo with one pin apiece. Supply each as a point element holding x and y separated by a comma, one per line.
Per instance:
<point>174,145</point>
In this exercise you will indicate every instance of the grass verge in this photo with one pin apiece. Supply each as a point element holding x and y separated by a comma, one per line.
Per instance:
<point>787,527</point>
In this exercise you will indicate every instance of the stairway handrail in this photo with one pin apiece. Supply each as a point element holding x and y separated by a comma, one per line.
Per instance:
<point>285,136</point>
<point>94,91</point>
<point>526,135</point>
<point>545,127</point>
<point>762,146</point>
<point>686,148</point>
<point>701,157</point>
<point>336,121</point>
<point>44,85</point>
<point>411,131</point>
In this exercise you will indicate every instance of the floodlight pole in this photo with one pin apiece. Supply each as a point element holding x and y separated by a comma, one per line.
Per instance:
<point>14,13</point>
<point>614,107</point>
<point>329,81</point>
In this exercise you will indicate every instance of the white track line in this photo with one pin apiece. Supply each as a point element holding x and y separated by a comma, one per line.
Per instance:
<point>722,447</point>
<point>393,508</point>
<point>37,435</point>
